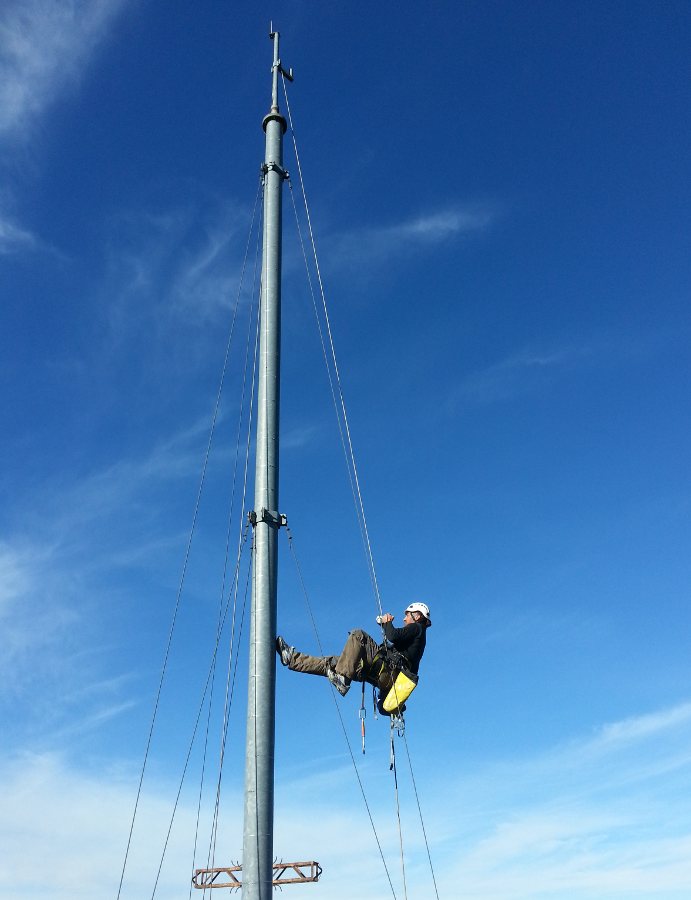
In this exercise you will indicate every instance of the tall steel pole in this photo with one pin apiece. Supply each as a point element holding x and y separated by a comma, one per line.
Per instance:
<point>257,861</point>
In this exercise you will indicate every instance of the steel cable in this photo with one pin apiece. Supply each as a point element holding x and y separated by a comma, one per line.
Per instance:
<point>209,676</point>
<point>230,688</point>
<point>422,822</point>
<point>345,434</point>
<point>398,810</point>
<point>342,414</point>
<point>188,549</point>
<point>231,506</point>
<point>338,710</point>
<point>242,536</point>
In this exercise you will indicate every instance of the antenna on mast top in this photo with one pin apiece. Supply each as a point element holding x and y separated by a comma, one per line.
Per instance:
<point>277,68</point>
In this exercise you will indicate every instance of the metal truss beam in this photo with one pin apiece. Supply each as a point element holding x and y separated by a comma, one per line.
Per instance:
<point>283,873</point>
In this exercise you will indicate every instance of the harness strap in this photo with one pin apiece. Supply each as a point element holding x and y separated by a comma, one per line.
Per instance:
<point>390,658</point>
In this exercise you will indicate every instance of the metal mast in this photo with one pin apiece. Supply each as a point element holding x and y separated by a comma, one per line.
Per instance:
<point>257,864</point>
<point>259,873</point>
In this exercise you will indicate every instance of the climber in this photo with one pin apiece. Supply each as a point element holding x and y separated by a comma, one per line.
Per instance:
<point>362,658</point>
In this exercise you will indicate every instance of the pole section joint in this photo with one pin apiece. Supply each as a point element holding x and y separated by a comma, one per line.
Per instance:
<point>275,519</point>
<point>274,167</point>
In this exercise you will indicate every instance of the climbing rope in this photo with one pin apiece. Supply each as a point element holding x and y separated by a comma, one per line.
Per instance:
<point>335,383</point>
<point>188,548</point>
<point>333,373</point>
<point>422,823</point>
<point>337,707</point>
<point>346,439</point>
<point>392,767</point>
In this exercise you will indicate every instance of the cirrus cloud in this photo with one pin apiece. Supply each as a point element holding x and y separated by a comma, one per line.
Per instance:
<point>44,47</point>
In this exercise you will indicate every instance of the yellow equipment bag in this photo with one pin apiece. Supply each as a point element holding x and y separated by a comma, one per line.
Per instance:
<point>402,688</point>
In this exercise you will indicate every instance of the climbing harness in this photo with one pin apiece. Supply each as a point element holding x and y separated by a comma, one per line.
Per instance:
<point>403,681</point>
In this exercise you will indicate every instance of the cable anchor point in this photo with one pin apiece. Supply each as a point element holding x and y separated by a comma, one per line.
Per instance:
<point>274,167</point>
<point>271,517</point>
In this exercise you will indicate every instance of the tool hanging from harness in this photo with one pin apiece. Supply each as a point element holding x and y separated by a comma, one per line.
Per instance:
<point>392,668</point>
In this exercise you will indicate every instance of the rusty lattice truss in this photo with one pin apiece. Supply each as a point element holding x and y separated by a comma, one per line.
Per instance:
<point>284,873</point>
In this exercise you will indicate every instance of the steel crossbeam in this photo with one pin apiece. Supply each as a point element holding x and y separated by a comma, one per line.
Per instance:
<point>283,873</point>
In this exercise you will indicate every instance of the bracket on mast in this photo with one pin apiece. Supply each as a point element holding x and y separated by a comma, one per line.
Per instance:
<point>302,872</point>
<point>276,519</point>
<point>274,35</point>
<point>274,167</point>
<point>287,73</point>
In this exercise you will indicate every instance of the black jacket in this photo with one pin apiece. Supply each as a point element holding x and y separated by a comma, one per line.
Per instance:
<point>409,640</point>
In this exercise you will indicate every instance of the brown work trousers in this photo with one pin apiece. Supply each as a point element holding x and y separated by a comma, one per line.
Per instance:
<point>354,662</point>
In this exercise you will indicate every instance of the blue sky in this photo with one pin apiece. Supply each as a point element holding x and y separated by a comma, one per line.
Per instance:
<point>500,194</point>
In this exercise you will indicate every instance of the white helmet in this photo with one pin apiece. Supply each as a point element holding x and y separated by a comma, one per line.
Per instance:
<point>421,608</point>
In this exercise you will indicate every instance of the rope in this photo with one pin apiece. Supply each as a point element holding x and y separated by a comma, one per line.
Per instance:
<point>201,781</point>
<point>231,507</point>
<point>214,826</point>
<point>398,810</point>
<point>338,709</point>
<point>226,710</point>
<point>422,823</point>
<point>350,453</point>
<point>188,548</point>
<point>196,725</point>
<point>326,362</point>
<point>209,680</point>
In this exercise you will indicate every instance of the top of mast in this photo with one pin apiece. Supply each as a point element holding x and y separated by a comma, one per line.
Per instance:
<point>276,70</point>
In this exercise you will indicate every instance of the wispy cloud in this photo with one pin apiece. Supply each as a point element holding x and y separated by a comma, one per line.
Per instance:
<point>76,824</point>
<point>45,46</point>
<point>435,227</point>
<point>555,825</point>
<point>520,373</point>
<point>207,277</point>
<point>37,620</point>
<point>15,575</point>
<point>118,487</point>
<point>178,263</point>
<point>428,229</point>
<point>66,548</point>
<point>299,437</point>
<point>14,239</point>
<point>643,727</point>
<point>531,368</point>
<point>600,817</point>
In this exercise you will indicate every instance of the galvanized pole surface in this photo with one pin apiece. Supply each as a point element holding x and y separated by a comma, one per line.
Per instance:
<point>257,858</point>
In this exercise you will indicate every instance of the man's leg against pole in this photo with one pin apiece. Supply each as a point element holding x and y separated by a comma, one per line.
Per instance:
<point>311,665</point>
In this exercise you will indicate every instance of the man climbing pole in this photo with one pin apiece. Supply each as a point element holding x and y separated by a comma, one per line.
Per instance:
<point>362,658</point>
